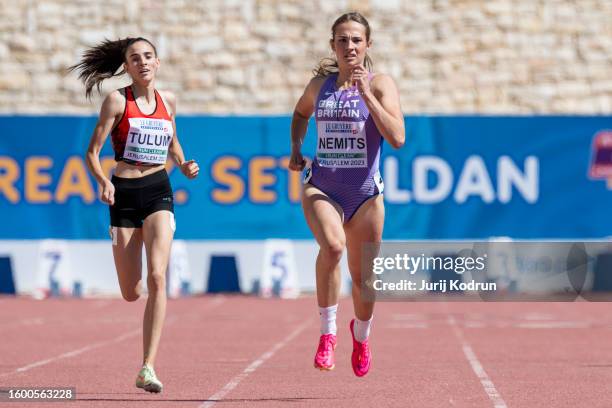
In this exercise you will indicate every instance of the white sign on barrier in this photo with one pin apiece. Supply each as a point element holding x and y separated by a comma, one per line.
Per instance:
<point>179,271</point>
<point>54,271</point>
<point>501,264</point>
<point>279,273</point>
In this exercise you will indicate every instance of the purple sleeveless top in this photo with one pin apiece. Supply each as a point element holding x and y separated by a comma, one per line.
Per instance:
<point>348,141</point>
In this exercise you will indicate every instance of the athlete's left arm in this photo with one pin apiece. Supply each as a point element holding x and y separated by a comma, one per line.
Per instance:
<point>382,100</point>
<point>188,167</point>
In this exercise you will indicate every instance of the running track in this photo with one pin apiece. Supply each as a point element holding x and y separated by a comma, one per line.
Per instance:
<point>244,351</point>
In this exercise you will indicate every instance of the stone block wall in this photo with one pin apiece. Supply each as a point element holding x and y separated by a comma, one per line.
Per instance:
<point>256,56</point>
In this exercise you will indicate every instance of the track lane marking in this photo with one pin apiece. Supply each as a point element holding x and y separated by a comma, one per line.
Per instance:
<point>169,321</point>
<point>73,353</point>
<point>477,367</point>
<point>251,368</point>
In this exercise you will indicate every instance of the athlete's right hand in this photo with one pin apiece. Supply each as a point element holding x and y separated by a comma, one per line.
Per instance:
<point>297,162</point>
<point>108,192</point>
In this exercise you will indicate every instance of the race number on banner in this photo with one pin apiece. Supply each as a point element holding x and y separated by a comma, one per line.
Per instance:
<point>279,273</point>
<point>54,272</point>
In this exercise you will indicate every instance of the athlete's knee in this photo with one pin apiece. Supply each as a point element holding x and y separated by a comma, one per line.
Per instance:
<point>356,283</point>
<point>333,249</point>
<point>130,296</point>
<point>156,281</point>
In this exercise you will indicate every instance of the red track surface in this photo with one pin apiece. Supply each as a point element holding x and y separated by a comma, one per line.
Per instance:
<point>244,351</point>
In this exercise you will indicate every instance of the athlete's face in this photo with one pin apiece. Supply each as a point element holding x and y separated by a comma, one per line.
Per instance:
<point>141,62</point>
<point>350,44</point>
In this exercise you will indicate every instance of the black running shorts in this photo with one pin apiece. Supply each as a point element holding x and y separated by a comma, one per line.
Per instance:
<point>137,198</point>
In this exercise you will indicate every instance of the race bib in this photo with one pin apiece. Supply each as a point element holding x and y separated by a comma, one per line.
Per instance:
<point>342,144</point>
<point>148,140</point>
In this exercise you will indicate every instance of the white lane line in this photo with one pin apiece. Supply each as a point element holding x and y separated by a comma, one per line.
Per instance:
<point>414,325</point>
<point>233,383</point>
<point>554,325</point>
<point>216,302</point>
<point>31,321</point>
<point>99,304</point>
<point>477,367</point>
<point>408,316</point>
<point>73,353</point>
<point>538,316</point>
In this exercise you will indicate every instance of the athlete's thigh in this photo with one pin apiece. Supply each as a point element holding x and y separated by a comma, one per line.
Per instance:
<point>323,215</point>
<point>364,228</point>
<point>158,231</point>
<point>127,252</point>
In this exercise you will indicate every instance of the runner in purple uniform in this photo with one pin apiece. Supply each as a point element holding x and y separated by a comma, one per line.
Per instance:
<point>355,110</point>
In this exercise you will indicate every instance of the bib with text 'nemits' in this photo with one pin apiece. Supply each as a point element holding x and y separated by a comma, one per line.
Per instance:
<point>342,144</point>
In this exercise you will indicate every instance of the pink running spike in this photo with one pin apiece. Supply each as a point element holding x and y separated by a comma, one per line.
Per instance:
<point>324,359</point>
<point>362,356</point>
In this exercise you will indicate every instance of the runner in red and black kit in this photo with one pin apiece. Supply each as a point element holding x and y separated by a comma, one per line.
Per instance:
<point>139,194</point>
<point>141,140</point>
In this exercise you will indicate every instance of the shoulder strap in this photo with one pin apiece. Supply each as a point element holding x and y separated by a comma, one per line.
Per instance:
<point>160,102</point>
<point>129,95</point>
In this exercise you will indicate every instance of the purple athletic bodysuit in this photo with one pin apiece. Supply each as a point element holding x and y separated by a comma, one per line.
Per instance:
<point>346,163</point>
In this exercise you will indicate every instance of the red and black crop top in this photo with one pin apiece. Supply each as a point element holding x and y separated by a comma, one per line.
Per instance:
<point>140,139</point>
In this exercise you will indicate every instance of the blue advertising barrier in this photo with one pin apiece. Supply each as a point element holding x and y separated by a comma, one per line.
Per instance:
<point>7,282</point>
<point>456,177</point>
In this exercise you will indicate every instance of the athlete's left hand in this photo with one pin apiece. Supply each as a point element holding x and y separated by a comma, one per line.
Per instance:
<point>190,169</point>
<point>360,79</point>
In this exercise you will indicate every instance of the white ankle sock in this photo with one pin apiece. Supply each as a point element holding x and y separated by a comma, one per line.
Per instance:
<point>361,329</point>
<point>328,319</point>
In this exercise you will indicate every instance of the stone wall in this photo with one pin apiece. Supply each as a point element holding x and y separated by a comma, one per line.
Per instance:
<point>255,56</point>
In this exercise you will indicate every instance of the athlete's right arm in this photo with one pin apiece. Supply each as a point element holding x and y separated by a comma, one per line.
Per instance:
<point>110,113</point>
<point>299,123</point>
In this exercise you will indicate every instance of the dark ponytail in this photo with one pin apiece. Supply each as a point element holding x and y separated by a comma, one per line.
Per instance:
<point>330,65</point>
<point>103,61</point>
